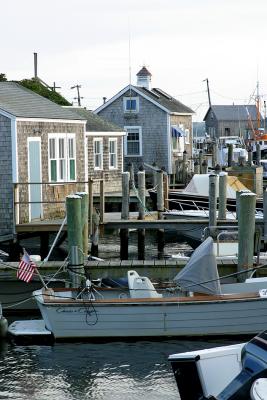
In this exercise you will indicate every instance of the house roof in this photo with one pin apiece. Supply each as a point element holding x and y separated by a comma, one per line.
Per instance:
<point>166,100</point>
<point>157,96</point>
<point>21,102</point>
<point>233,112</point>
<point>94,122</point>
<point>144,72</point>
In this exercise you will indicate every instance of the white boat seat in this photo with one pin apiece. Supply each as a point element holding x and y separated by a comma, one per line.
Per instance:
<point>141,286</point>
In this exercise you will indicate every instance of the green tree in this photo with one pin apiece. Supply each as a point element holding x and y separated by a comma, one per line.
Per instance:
<point>3,77</point>
<point>38,87</point>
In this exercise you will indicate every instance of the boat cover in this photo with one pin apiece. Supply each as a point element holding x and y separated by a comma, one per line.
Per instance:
<point>199,184</point>
<point>200,273</point>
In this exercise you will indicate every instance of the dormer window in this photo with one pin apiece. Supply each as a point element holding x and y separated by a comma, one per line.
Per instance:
<point>131,104</point>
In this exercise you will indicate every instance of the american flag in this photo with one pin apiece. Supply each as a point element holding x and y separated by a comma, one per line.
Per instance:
<point>26,268</point>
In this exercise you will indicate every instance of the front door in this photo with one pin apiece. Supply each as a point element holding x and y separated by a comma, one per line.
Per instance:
<point>34,175</point>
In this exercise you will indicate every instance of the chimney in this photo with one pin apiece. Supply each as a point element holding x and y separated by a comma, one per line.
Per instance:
<point>35,65</point>
<point>144,78</point>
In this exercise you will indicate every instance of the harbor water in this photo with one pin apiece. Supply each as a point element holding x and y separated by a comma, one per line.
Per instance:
<point>95,371</point>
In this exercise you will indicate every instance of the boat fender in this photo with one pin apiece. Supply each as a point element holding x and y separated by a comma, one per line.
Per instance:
<point>259,389</point>
<point>263,292</point>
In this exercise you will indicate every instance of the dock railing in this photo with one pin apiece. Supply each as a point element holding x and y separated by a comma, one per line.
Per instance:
<point>21,196</point>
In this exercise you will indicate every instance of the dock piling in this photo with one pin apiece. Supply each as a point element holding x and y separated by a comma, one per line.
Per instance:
<point>124,233</point>
<point>213,193</point>
<point>141,177</point>
<point>222,194</point>
<point>246,231</point>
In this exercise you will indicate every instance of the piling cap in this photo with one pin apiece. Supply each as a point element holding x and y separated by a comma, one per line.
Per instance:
<point>73,196</point>
<point>81,193</point>
<point>247,194</point>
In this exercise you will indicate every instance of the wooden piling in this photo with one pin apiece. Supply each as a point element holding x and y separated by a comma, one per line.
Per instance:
<point>166,190</point>
<point>75,238</point>
<point>204,167</point>
<point>258,154</point>
<point>84,218</point>
<point>124,233</point>
<point>214,154</point>
<point>246,230</point>
<point>185,166</point>
<point>238,194</point>
<point>230,154</point>
<point>160,193</point>
<point>222,194</point>
<point>250,156</point>
<point>131,171</point>
<point>90,205</point>
<point>154,174</point>
<point>200,161</point>
<point>102,201</point>
<point>141,178</point>
<point>196,167</point>
<point>265,216</point>
<point>213,193</point>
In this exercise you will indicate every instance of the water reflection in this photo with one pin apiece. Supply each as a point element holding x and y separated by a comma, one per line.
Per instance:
<point>92,371</point>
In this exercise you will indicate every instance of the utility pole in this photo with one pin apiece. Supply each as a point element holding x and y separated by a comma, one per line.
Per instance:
<point>54,87</point>
<point>208,89</point>
<point>78,94</point>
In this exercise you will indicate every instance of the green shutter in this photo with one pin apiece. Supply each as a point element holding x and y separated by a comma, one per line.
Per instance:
<point>53,170</point>
<point>72,170</point>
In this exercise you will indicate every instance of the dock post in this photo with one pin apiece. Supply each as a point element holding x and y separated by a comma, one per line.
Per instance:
<point>185,165</point>
<point>154,174</point>
<point>196,167</point>
<point>124,233</point>
<point>204,167</point>
<point>142,207</point>
<point>230,154</point>
<point>214,154</point>
<point>222,194</point>
<point>213,193</point>
<point>265,216</point>
<point>166,191</point>
<point>75,238</point>
<point>238,194</point>
<point>200,161</point>
<point>84,218</point>
<point>258,154</point>
<point>95,232</point>
<point>90,205</point>
<point>131,170</point>
<point>246,230</point>
<point>160,209</point>
<point>250,156</point>
<point>102,200</point>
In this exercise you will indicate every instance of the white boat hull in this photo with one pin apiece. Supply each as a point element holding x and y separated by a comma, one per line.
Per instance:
<point>154,318</point>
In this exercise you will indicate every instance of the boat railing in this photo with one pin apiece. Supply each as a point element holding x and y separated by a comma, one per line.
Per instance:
<point>190,203</point>
<point>224,230</point>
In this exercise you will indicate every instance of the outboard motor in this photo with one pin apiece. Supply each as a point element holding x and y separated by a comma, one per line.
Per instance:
<point>254,366</point>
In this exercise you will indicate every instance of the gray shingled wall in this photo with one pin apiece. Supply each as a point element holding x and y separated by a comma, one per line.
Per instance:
<point>154,126</point>
<point>112,178</point>
<point>6,188</point>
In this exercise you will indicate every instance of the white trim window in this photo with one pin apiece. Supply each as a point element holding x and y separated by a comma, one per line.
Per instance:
<point>131,104</point>
<point>112,144</point>
<point>133,141</point>
<point>61,157</point>
<point>98,154</point>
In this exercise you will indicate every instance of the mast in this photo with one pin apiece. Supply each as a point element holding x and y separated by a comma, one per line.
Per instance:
<point>208,90</point>
<point>258,109</point>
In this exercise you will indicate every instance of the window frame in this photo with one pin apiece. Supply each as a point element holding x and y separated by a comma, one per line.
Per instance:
<point>99,140</point>
<point>125,109</point>
<point>139,128</point>
<point>62,159</point>
<point>115,141</point>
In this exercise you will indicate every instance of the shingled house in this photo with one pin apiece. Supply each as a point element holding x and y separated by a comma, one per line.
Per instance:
<point>103,150</point>
<point>231,120</point>
<point>158,127</point>
<point>39,142</point>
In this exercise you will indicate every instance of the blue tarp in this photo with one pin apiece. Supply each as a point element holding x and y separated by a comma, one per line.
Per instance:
<point>177,132</point>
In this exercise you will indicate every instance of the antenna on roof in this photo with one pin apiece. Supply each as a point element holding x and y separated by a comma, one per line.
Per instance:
<point>129,51</point>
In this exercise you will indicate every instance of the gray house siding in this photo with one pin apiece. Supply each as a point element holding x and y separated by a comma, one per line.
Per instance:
<point>112,177</point>
<point>6,187</point>
<point>153,122</point>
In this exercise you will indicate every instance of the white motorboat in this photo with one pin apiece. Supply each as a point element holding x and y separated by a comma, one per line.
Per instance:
<point>193,306</point>
<point>231,372</point>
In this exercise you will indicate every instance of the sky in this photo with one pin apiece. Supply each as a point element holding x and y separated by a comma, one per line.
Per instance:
<point>102,44</point>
